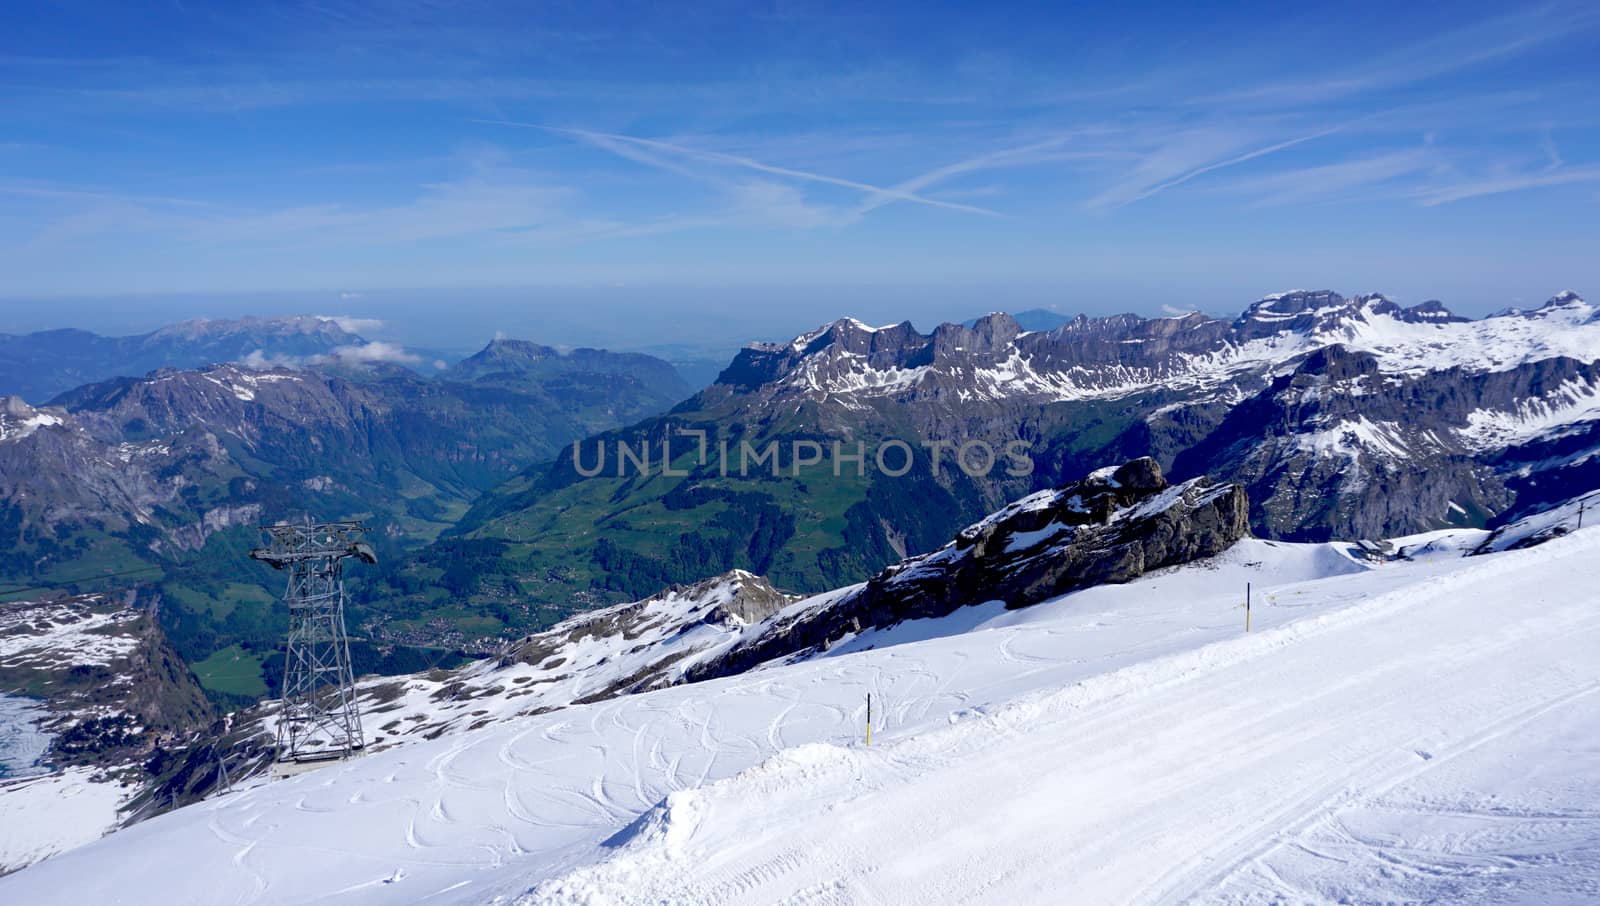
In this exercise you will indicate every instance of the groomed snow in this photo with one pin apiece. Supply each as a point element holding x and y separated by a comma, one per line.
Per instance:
<point>1122,744</point>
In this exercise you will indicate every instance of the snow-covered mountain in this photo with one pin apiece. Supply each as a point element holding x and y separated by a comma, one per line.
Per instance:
<point>1107,358</point>
<point>1130,743</point>
<point>1343,418</point>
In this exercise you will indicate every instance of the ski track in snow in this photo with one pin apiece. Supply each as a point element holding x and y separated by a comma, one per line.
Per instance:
<point>1127,744</point>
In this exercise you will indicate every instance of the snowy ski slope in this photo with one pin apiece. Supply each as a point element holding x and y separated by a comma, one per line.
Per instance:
<point>1397,732</point>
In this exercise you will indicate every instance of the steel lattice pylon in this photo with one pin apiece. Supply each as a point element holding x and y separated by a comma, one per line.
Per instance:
<point>319,719</point>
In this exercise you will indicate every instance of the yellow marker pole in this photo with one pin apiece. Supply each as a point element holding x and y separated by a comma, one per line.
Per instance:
<point>869,718</point>
<point>1247,607</point>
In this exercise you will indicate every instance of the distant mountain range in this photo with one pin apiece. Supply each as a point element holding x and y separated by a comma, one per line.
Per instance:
<point>38,366</point>
<point>1342,417</point>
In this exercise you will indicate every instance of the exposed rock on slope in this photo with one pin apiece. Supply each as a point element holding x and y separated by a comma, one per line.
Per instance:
<point>102,666</point>
<point>641,641</point>
<point>1113,526</point>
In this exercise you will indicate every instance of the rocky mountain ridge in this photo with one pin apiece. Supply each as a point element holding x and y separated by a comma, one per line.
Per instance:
<point>1318,403</point>
<point>1122,354</point>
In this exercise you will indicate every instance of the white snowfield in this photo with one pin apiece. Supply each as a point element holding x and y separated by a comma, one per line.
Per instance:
<point>1411,732</point>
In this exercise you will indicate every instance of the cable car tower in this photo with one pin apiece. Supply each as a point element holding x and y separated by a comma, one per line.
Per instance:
<point>319,720</point>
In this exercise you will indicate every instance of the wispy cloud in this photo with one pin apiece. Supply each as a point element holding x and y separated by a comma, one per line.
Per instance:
<point>489,200</point>
<point>618,143</point>
<point>1469,46</point>
<point>58,192</point>
<point>1338,180</point>
<point>367,353</point>
<point>1008,157</point>
<point>996,149</point>
<point>1186,155</point>
<point>353,354</point>
<point>1510,182</point>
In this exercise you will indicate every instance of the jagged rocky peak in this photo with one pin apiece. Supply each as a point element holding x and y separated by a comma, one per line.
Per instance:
<point>1566,300</point>
<point>880,344</point>
<point>735,597</point>
<point>743,597</point>
<point>1114,525</point>
<point>1307,312</point>
<point>990,334</point>
<point>1567,303</point>
<point>1376,305</point>
<point>1275,307</point>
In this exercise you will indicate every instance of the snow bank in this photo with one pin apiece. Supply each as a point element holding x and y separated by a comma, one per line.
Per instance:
<point>1121,744</point>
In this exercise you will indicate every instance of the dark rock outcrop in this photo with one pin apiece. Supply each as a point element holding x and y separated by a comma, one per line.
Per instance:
<point>1113,526</point>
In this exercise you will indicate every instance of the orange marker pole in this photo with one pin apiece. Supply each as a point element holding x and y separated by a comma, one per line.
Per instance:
<point>869,718</point>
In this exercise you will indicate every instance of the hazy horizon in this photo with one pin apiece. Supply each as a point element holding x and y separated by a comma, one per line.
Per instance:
<point>682,321</point>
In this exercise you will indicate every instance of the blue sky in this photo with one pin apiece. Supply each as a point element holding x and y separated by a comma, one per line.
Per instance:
<point>964,155</point>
